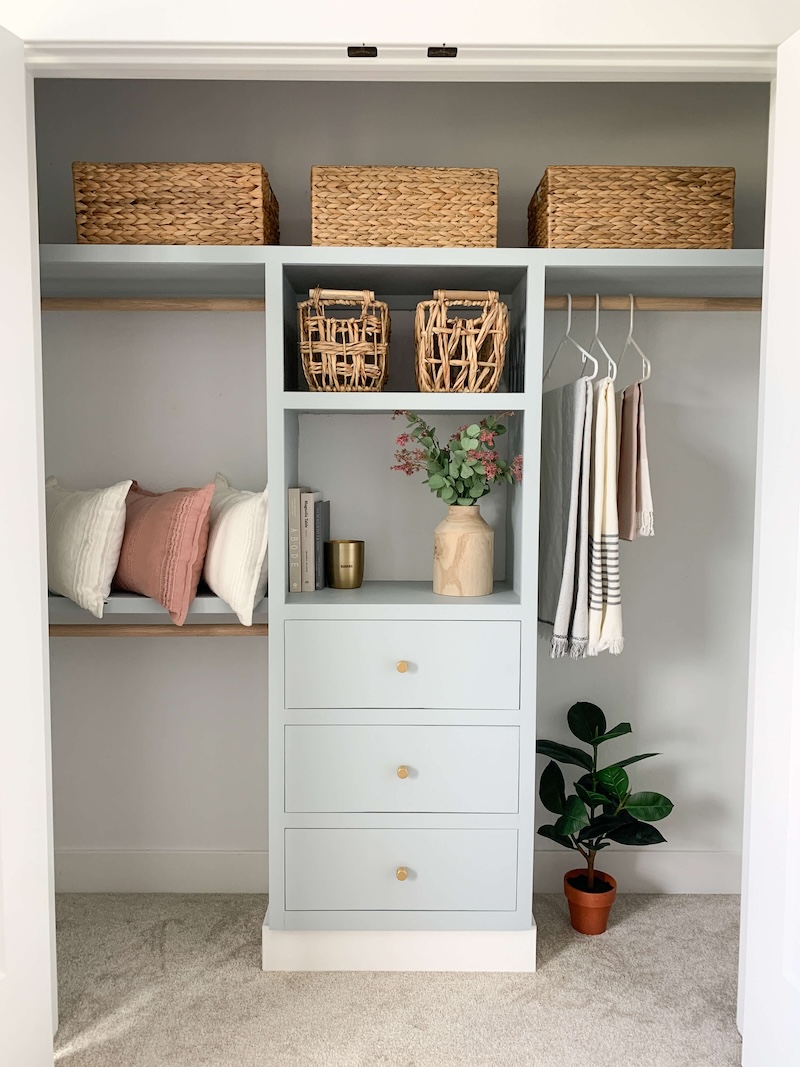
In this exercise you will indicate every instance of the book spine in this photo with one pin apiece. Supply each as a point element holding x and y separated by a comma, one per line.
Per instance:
<point>307,542</point>
<point>321,535</point>
<point>295,579</point>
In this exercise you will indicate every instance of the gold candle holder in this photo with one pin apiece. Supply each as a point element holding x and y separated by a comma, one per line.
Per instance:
<point>344,564</point>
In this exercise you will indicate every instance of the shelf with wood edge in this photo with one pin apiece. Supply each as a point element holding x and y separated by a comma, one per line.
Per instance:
<point>158,630</point>
<point>551,303</point>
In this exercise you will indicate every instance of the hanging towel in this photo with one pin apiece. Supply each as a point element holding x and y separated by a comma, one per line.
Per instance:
<point>644,494</point>
<point>634,497</point>
<point>564,517</point>
<point>605,602</point>
<point>628,414</point>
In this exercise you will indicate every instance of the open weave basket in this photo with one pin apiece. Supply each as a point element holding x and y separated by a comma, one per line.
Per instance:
<point>633,207</point>
<point>174,204</point>
<point>460,354</point>
<point>434,207</point>
<point>344,354</point>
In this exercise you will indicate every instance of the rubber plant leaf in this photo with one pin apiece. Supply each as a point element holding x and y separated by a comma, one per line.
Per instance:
<point>586,721</point>
<point>551,789</point>
<point>564,754</point>
<point>650,807</point>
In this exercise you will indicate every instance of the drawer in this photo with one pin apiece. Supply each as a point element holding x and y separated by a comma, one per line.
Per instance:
<point>358,664</point>
<point>356,870</point>
<point>441,768</point>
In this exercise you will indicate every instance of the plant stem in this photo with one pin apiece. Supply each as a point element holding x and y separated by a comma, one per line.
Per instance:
<point>590,871</point>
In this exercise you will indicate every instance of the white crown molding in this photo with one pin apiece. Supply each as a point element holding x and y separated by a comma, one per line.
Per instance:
<point>399,63</point>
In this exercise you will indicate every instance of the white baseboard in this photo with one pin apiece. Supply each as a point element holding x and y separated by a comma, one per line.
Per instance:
<point>646,870</point>
<point>398,950</point>
<point>111,871</point>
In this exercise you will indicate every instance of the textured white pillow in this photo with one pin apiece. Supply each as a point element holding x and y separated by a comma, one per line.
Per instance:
<point>84,536</point>
<point>236,560</point>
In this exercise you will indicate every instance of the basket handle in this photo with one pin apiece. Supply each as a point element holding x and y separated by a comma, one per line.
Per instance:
<point>363,296</point>
<point>472,296</point>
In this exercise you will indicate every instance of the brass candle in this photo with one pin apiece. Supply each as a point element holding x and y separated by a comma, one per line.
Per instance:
<point>344,564</point>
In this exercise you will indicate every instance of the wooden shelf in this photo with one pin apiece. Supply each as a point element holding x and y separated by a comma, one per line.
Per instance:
<point>149,630</point>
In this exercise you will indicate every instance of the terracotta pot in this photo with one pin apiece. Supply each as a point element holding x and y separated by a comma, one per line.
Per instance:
<point>463,553</point>
<point>589,912</point>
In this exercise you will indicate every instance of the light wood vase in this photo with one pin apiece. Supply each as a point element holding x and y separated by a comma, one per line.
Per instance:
<point>463,553</point>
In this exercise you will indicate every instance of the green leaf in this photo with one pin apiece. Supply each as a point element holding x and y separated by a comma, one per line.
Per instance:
<point>589,797</point>
<point>616,779</point>
<point>477,490</point>
<point>586,721</point>
<point>564,754</point>
<point>436,481</point>
<point>449,494</point>
<point>631,759</point>
<point>600,827</point>
<point>465,501</point>
<point>473,430</point>
<point>649,807</point>
<point>637,833</point>
<point>574,817</point>
<point>552,834</point>
<point>551,789</point>
<point>618,731</point>
<point>499,430</point>
<point>466,471</point>
<point>454,468</point>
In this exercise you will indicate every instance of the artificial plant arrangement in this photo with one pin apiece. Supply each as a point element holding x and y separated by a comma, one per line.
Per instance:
<point>460,472</point>
<point>603,808</point>
<point>465,468</point>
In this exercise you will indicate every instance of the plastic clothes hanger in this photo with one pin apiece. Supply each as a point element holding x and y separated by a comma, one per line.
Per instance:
<point>612,366</point>
<point>568,337</point>
<point>630,342</point>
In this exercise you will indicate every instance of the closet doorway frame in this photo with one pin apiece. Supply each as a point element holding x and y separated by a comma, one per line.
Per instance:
<point>123,60</point>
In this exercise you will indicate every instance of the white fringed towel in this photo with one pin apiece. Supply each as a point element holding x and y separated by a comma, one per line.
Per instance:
<point>605,598</point>
<point>564,517</point>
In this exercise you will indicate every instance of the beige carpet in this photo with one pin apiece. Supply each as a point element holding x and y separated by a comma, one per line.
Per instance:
<point>175,981</point>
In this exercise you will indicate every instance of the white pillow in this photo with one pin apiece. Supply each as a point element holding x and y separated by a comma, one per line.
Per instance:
<point>84,537</point>
<point>236,560</point>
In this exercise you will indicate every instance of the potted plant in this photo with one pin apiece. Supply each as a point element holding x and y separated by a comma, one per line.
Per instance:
<point>603,808</point>
<point>460,472</point>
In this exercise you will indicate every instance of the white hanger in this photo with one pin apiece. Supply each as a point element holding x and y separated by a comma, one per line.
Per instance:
<point>630,341</point>
<point>612,366</point>
<point>568,337</point>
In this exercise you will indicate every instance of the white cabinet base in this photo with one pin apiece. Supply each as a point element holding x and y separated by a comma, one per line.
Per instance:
<point>398,950</point>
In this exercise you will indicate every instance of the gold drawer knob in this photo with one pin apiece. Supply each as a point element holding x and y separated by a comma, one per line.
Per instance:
<point>401,874</point>
<point>402,666</point>
<point>402,772</point>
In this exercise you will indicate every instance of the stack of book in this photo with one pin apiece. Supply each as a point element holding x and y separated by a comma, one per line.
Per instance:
<point>309,529</point>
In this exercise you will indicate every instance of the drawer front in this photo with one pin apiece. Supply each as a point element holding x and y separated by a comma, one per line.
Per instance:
<point>354,664</point>
<point>356,870</point>
<point>402,768</point>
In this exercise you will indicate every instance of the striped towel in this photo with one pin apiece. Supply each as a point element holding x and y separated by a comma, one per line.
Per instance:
<point>605,600</point>
<point>564,518</point>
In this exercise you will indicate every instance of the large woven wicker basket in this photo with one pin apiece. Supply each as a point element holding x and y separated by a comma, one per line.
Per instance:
<point>633,207</point>
<point>174,204</point>
<point>433,207</point>
<point>460,353</point>
<point>343,352</point>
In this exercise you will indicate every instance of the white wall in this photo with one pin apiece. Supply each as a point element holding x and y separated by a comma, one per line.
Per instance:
<point>613,22</point>
<point>178,818</point>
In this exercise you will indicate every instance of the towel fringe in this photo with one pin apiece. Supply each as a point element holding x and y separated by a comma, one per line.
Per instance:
<point>577,650</point>
<point>644,524</point>
<point>558,647</point>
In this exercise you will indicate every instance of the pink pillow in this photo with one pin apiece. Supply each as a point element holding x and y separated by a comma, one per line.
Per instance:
<point>165,545</point>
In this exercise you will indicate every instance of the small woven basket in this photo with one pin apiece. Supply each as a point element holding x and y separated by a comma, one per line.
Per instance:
<point>344,353</point>
<point>633,207</point>
<point>459,353</point>
<point>420,207</point>
<point>174,204</point>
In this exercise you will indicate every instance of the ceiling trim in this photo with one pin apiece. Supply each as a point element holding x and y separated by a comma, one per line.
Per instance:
<point>398,63</point>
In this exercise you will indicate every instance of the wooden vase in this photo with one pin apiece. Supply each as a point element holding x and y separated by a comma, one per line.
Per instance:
<point>463,553</point>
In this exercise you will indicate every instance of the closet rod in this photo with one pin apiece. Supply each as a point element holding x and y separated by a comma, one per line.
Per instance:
<point>656,303</point>
<point>234,629</point>
<point>551,303</point>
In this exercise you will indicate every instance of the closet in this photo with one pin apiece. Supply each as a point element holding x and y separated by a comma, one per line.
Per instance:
<point>167,364</point>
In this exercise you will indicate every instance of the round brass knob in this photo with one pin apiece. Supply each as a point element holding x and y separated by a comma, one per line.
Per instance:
<point>402,772</point>
<point>402,666</point>
<point>401,873</point>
